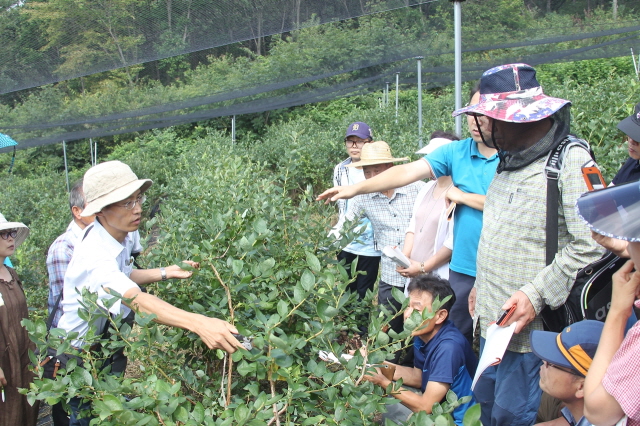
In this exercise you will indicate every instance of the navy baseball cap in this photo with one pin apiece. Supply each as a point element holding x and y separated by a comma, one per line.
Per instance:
<point>631,125</point>
<point>359,129</point>
<point>573,348</point>
<point>613,212</point>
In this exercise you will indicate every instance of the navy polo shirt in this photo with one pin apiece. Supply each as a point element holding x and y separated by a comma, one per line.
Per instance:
<point>447,358</point>
<point>629,172</point>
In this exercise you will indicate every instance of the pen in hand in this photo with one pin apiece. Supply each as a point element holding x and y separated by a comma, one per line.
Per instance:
<point>3,394</point>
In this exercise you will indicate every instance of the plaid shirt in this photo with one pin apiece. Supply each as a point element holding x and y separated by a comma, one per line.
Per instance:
<point>511,253</point>
<point>621,380</point>
<point>58,259</point>
<point>390,218</point>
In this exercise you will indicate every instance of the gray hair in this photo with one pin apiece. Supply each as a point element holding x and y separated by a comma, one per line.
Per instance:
<point>76,196</point>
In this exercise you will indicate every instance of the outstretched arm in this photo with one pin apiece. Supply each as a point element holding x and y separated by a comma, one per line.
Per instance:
<point>147,276</point>
<point>215,333</point>
<point>393,178</point>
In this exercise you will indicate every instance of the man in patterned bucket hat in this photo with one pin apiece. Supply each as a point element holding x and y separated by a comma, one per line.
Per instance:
<point>512,270</point>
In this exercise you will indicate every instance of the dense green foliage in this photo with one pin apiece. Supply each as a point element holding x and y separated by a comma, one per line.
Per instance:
<point>245,210</point>
<point>237,218</point>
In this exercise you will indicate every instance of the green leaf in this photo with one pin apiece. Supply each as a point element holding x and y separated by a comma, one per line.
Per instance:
<point>382,338</point>
<point>437,409</point>
<point>267,264</point>
<point>325,311</point>
<point>237,265</point>
<point>313,262</point>
<point>307,280</point>
<point>88,379</point>
<point>298,295</point>
<point>472,416</point>
<point>444,420</point>
<point>398,294</point>
<point>339,413</point>
<point>112,402</point>
<point>245,368</point>
<point>181,414</point>
<point>241,414</point>
<point>277,342</point>
<point>283,308</point>
<point>260,226</point>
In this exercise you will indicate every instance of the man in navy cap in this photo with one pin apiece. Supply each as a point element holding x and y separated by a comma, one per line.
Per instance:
<point>362,249</point>
<point>566,358</point>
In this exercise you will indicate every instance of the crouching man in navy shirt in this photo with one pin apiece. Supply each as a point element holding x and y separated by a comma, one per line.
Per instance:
<point>443,357</point>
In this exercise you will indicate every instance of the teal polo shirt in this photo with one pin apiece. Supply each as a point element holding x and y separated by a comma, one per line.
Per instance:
<point>471,172</point>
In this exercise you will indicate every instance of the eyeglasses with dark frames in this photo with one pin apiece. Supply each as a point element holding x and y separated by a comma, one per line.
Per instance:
<point>566,370</point>
<point>351,143</point>
<point>13,233</point>
<point>130,205</point>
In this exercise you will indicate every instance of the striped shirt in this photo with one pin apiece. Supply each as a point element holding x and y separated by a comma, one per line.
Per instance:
<point>511,253</point>
<point>390,218</point>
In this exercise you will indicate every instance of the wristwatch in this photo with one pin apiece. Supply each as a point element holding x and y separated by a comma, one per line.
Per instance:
<point>422,267</point>
<point>163,274</point>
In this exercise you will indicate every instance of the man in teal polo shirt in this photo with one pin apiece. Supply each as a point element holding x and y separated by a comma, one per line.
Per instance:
<point>471,165</point>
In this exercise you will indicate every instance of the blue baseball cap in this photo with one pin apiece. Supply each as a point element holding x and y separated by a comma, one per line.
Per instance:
<point>359,129</point>
<point>573,348</point>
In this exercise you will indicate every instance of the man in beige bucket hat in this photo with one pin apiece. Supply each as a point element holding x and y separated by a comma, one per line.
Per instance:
<point>102,264</point>
<point>389,212</point>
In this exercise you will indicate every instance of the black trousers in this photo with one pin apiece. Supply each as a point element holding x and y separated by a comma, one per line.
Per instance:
<point>386,299</point>
<point>363,282</point>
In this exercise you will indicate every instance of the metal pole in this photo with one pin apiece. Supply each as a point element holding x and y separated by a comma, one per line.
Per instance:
<point>91,151</point>
<point>397,90</point>
<point>635,64</point>
<point>95,154</point>
<point>420,58</point>
<point>387,101</point>
<point>66,169</point>
<point>457,13</point>
<point>233,129</point>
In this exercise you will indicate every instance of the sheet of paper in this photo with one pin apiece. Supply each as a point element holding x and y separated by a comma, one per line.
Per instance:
<point>498,339</point>
<point>394,253</point>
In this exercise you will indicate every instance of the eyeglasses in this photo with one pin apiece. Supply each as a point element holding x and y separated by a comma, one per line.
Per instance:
<point>130,205</point>
<point>353,143</point>
<point>557,367</point>
<point>13,233</point>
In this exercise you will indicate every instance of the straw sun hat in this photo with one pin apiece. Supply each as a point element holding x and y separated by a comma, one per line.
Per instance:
<point>108,183</point>
<point>375,153</point>
<point>23,231</point>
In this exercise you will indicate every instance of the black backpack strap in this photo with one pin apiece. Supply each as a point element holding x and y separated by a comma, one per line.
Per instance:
<point>552,172</point>
<point>53,312</point>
